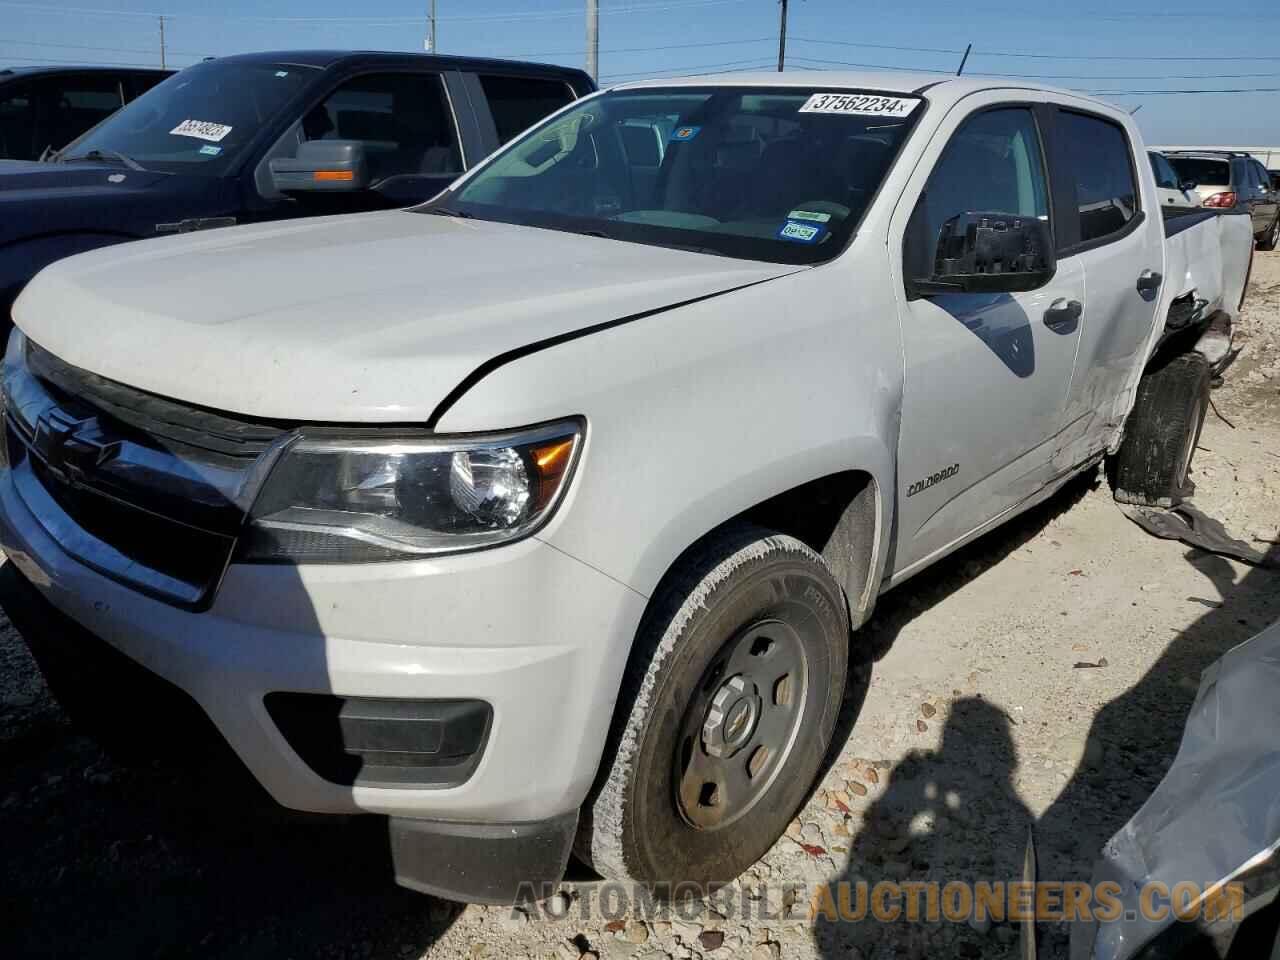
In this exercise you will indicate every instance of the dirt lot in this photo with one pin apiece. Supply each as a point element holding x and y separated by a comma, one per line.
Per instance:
<point>972,723</point>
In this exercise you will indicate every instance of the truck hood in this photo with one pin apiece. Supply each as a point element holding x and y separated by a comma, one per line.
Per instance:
<point>38,199</point>
<point>367,318</point>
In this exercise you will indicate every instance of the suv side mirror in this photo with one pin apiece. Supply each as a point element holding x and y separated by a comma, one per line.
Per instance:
<point>991,253</point>
<point>322,166</point>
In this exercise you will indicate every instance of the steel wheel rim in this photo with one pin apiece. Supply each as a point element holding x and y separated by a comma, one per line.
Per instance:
<point>742,724</point>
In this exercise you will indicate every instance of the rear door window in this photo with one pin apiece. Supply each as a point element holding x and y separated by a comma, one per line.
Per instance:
<point>1101,164</point>
<point>403,120</point>
<point>517,103</point>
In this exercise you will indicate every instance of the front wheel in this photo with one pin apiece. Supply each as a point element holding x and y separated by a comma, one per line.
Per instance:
<point>726,713</point>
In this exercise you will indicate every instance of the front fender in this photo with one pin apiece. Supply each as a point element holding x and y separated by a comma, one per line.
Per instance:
<point>702,412</point>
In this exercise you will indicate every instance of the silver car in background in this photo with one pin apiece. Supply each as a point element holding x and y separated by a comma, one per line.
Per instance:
<point>1231,180</point>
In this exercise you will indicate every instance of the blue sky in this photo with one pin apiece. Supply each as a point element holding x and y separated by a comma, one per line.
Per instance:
<point>1097,47</point>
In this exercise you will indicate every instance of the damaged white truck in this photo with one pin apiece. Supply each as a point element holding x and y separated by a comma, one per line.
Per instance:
<point>542,517</point>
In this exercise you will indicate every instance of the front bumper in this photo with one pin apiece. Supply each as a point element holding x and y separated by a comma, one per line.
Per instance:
<point>539,636</point>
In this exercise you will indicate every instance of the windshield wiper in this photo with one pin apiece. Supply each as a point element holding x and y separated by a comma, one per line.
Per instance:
<point>446,212</point>
<point>96,154</point>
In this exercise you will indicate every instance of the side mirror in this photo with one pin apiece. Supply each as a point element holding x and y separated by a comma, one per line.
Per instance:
<point>322,166</point>
<point>991,253</point>
<point>1187,186</point>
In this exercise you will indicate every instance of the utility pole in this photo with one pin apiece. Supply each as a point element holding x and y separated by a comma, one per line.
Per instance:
<point>162,63</point>
<point>431,28</point>
<point>593,38</point>
<point>782,35</point>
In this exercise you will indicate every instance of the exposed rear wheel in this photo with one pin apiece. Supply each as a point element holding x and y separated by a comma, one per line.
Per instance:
<point>726,713</point>
<point>1153,464</point>
<point>1271,238</point>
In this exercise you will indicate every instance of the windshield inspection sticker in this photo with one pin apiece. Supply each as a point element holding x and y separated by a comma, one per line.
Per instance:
<point>860,105</point>
<point>209,150</point>
<point>801,232</point>
<point>810,216</point>
<point>681,134</point>
<point>201,130</point>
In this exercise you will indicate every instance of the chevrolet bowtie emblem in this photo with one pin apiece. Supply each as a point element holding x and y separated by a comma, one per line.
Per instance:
<point>69,444</point>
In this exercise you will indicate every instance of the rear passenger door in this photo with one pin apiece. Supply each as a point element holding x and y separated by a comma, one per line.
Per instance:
<point>1116,234</point>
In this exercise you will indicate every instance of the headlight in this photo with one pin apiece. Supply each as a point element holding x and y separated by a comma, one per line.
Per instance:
<point>346,498</point>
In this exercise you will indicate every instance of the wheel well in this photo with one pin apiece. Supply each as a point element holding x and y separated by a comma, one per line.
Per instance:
<point>836,517</point>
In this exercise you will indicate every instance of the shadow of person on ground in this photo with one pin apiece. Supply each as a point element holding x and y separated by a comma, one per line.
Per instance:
<point>951,814</point>
<point>1133,739</point>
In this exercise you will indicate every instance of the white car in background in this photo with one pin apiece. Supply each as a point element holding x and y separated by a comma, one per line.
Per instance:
<point>1172,190</point>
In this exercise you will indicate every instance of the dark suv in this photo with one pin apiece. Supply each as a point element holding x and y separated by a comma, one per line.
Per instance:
<point>44,108</point>
<point>268,136</point>
<point>1234,181</point>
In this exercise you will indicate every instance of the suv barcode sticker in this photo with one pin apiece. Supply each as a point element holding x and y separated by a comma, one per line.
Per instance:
<point>860,104</point>
<point>201,130</point>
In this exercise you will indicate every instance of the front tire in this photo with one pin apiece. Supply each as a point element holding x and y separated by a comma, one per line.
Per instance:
<point>1153,465</point>
<point>725,715</point>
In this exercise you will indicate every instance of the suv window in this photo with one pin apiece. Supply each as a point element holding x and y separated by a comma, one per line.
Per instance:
<point>517,103</point>
<point>17,122</point>
<point>402,119</point>
<point>1166,178</point>
<point>1100,159</point>
<point>993,164</point>
<point>71,105</point>
<point>1204,171</point>
<point>1260,178</point>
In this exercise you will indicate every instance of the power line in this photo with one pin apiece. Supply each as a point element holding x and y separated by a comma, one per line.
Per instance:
<point>1045,76</point>
<point>676,71</point>
<point>1032,56</point>
<point>1156,93</point>
<point>79,63</point>
<point>665,46</point>
<point>371,21</point>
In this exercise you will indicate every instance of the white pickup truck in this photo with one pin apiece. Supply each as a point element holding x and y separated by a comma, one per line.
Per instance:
<point>543,516</point>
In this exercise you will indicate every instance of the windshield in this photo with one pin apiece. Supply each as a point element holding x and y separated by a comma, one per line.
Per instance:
<point>1214,173</point>
<point>198,120</point>
<point>775,174</point>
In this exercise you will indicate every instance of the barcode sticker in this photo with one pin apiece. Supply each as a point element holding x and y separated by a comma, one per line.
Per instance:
<point>860,104</point>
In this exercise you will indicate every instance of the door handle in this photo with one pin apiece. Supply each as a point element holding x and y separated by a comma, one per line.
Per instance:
<point>1063,314</point>
<point>1149,281</point>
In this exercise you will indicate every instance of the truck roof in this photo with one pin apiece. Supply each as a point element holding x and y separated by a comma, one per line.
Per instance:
<point>939,85</point>
<point>329,58</point>
<point>7,73</point>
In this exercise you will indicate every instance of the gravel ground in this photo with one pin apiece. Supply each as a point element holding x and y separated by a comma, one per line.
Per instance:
<point>968,721</point>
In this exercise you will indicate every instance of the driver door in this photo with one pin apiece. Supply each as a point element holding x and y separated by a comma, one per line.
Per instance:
<point>986,375</point>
